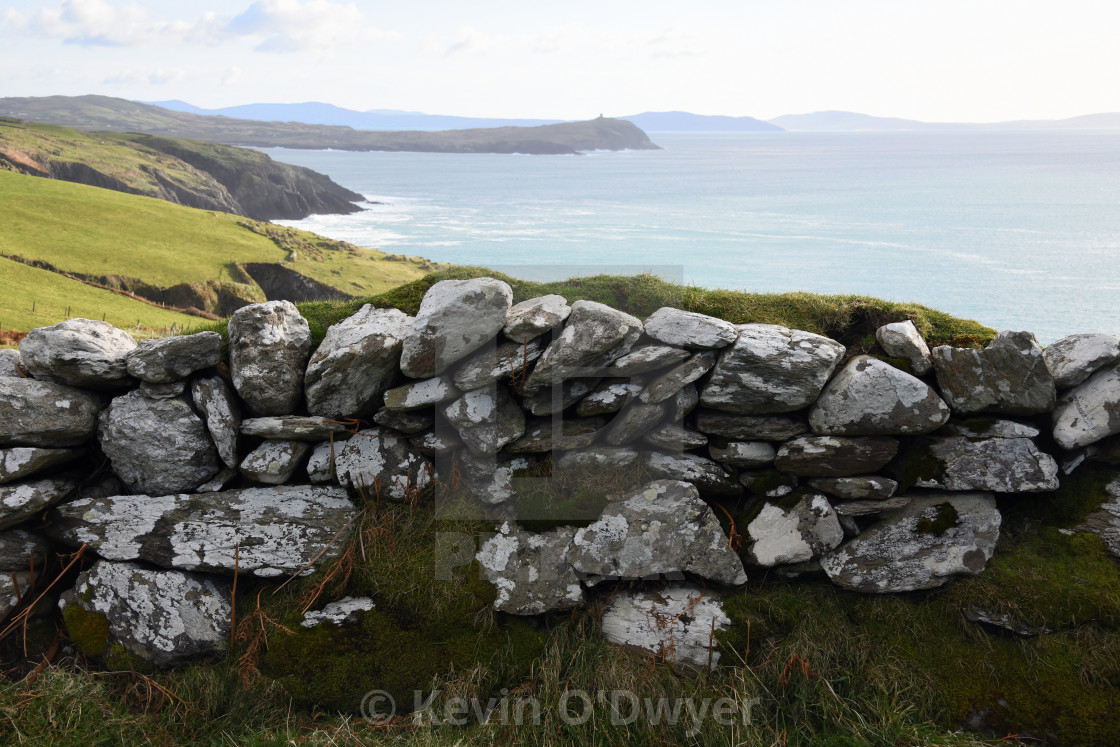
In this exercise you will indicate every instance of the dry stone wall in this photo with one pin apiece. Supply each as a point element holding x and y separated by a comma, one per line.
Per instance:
<point>254,457</point>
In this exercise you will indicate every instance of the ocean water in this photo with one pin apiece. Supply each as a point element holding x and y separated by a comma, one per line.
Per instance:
<point>1016,230</point>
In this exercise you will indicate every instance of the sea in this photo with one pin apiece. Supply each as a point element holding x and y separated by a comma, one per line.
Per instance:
<point>1017,230</point>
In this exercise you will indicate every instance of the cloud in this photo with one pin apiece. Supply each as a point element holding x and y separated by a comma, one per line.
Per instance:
<point>90,23</point>
<point>157,78</point>
<point>291,25</point>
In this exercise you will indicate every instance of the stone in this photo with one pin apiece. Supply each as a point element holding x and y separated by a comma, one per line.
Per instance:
<point>750,427</point>
<point>646,358</point>
<point>21,501</point>
<point>543,435</point>
<point>156,446</point>
<point>677,624</point>
<point>1005,621</point>
<point>432,444</point>
<point>671,382</point>
<point>865,508</point>
<point>768,483</point>
<point>1008,377</point>
<point>856,488</point>
<point>167,359</point>
<point>218,482</point>
<point>835,456</point>
<point>598,457</point>
<point>456,318</point>
<point>1083,416</point>
<point>40,413</point>
<point>274,462</point>
<point>999,465</point>
<point>413,421</point>
<point>347,610</point>
<point>771,369</point>
<point>920,546</point>
<point>902,340</point>
<point>489,479</point>
<point>531,571</point>
<point>989,428</point>
<point>19,462</point>
<point>674,437</point>
<point>169,390</point>
<point>635,420</point>
<point>506,361</point>
<point>871,398</point>
<point>12,587</point>
<point>416,395</point>
<point>1075,358</point>
<point>557,399</point>
<point>269,346</point>
<point>750,454</point>
<point>681,404</point>
<point>78,352</point>
<point>661,530</point>
<point>532,318</point>
<point>779,535</point>
<point>357,361</point>
<point>594,337</point>
<point>1106,520</point>
<point>689,329</point>
<point>382,463</point>
<point>218,407</point>
<point>21,550</point>
<point>166,618</point>
<point>10,364</point>
<point>486,419</point>
<point>611,395</point>
<point>320,462</point>
<point>291,428</point>
<point>267,532</point>
<point>709,477</point>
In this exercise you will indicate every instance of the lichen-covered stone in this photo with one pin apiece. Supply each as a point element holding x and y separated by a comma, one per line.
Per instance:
<point>677,623</point>
<point>532,318</point>
<point>689,329</point>
<point>340,612</point>
<point>598,456</point>
<point>291,427</point>
<point>1106,520</point>
<point>594,337</point>
<point>19,462</point>
<point>710,477</point>
<point>611,395</point>
<point>771,369</point>
<point>1075,358</point>
<point>505,363</point>
<point>681,404</point>
<point>416,395</point>
<point>486,419</point>
<point>646,358</point>
<point>544,435</point>
<point>21,550</point>
<point>489,479</point>
<point>559,398</point>
<point>871,398</point>
<point>920,546</point>
<point>902,340</point>
<point>320,462</point>
<point>456,318</point>
<point>779,535</point>
<point>1086,414</point>
<point>865,508</point>
<point>156,446</point>
<point>835,456</point>
<point>266,532</point>
<point>866,487</point>
<point>1009,376</point>
<point>635,420</point>
<point>531,571</point>
<point>357,360</point>
<point>750,454</point>
<point>215,401</point>
<point>166,618</point>
<point>669,383</point>
<point>661,530</point>
<point>274,462</point>
<point>40,413</point>
<point>750,427</point>
<point>22,500</point>
<point>269,345</point>
<point>381,462</point>
<point>673,437</point>
<point>78,352</point>
<point>167,359</point>
<point>13,586</point>
<point>10,363</point>
<point>412,421</point>
<point>999,465</point>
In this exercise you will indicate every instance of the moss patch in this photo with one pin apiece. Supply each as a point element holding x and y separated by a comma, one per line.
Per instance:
<point>947,518</point>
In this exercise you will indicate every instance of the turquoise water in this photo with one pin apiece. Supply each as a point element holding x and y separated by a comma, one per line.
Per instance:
<point>1017,230</point>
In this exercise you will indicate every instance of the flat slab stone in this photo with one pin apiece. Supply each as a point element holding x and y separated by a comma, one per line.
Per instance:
<point>274,462</point>
<point>594,337</point>
<point>710,477</point>
<point>609,396</point>
<point>543,435</point>
<point>40,413</point>
<point>486,419</point>
<point>531,571</point>
<point>598,456</point>
<point>345,611</point>
<point>865,508</point>
<point>635,420</point>
<point>413,421</point>
<point>980,427</point>
<point>673,437</point>
<point>750,427</point>
<point>532,318</point>
<point>269,347</point>
<point>381,461</point>
<point>1084,415</point>
<point>557,399</point>
<point>902,340</point>
<point>681,404</point>
<point>1009,376</point>
<point>21,549</point>
<point>12,585</point>
<point>669,383</point>
<point>456,318</point>
<point>265,532</point>
<point>505,363</point>
<point>19,462</point>
<point>920,546</point>
<point>646,358</point>
<point>867,487</point>
<point>675,623</point>
<point>167,359</point>
<point>357,361</point>
<point>999,465</point>
<point>661,530</point>
<point>771,369</point>
<point>1075,358</point>
<point>166,618</point>
<point>416,395</point>
<point>872,398</point>
<point>783,535</point>
<point>78,352</point>
<point>291,427</point>
<point>215,402</point>
<point>688,329</point>
<point>489,479</point>
<point>750,454</point>
<point>21,501</point>
<point>835,456</point>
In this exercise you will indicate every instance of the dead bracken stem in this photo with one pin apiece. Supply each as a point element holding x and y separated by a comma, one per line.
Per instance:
<point>233,594</point>
<point>734,539</point>
<point>25,614</point>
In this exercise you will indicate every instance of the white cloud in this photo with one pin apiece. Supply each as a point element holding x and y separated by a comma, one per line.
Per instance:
<point>157,77</point>
<point>90,23</point>
<point>291,25</point>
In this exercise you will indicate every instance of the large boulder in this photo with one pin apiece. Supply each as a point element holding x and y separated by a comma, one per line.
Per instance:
<point>168,359</point>
<point>689,329</point>
<point>165,618</point>
<point>78,352</point>
<point>663,529</point>
<point>39,413</point>
<point>156,446</point>
<point>21,501</point>
<point>872,398</point>
<point>676,624</point>
<point>1075,358</point>
<point>999,465</point>
<point>1084,415</point>
<point>920,546</point>
<point>530,319</point>
<point>265,532</point>
<point>531,571</point>
<point>594,337</point>
<point>902,340</point>
<point>771,369</point>
<point>355,363</point>
<point>456,318</point>
<point>780,534</point>
<point>835,456</point>
<point>486,419</point>
<point>269,344</point>
<point>381,462</point>
<point>1009,376</point>
<point>23,461</point>
<point>215,401</point>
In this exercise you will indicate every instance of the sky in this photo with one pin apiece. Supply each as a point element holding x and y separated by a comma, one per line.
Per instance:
<point>949,60</point>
